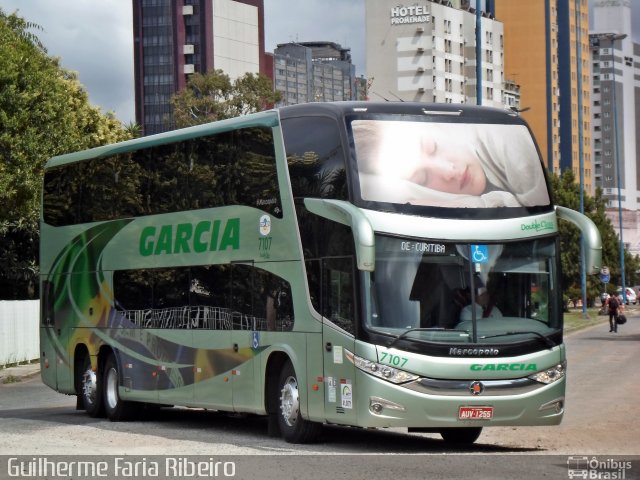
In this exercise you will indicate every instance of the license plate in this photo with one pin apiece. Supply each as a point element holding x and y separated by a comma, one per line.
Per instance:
<point>475,413</point>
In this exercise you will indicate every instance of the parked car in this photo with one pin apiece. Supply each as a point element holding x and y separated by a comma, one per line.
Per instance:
<point>631,295</point>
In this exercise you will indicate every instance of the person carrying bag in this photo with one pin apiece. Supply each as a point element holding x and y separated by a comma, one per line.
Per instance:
<point>613,305</point>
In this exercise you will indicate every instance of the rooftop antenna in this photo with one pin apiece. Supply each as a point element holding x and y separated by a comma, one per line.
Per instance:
<point>376,93</point>
<point>396,96</point>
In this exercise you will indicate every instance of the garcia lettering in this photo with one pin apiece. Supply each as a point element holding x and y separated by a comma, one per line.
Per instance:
<point>204,236</point>
<point>504,367</point>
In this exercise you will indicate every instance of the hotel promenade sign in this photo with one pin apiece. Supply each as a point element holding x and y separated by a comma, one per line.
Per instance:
<point>401,15</point>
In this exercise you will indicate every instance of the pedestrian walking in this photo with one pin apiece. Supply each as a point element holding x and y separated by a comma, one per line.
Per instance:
<point>614,305</point>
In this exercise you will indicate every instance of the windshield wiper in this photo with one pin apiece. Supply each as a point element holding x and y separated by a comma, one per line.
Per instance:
<point>430,329</point>
<point>544,339</point>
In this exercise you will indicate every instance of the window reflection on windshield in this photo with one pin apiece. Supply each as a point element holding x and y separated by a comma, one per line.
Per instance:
<point>446,290</point>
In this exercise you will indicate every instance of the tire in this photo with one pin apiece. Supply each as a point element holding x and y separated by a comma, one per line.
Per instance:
<point>461,436</point>
<point>90,393</point>
<point>293,428</point>
<point>117,410</point>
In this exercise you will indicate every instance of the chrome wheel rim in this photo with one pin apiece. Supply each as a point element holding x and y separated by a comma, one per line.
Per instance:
<point>112,388</point>
<point>290,401</point>
<point>89,386</point>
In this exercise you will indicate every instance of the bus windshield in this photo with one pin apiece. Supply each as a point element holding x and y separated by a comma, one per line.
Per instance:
<point>432,291</point>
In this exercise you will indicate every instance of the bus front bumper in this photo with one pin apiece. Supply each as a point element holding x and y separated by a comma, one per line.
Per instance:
<point>384,404</point>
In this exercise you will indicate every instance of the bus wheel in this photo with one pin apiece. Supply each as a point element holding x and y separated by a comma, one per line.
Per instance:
<point>293,427</point>
<point>116,408</point>
<point>91,389</point>
<point>461,436</point>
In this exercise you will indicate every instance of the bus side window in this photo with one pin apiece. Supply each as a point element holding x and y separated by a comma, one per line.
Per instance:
<point>337,292</point>
<point>209,296</point>
<point>315,158</point>
<point>273,303</point>
<point>133,290</point>
<point>261,300</point>
<point>329,254</point>
<point>61,196</point>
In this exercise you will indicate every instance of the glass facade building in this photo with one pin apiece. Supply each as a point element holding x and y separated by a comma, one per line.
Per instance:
<point>176,38</point>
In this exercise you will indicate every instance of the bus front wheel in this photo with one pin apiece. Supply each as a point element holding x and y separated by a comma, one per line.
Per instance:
<point>293,428</point>
<point>116,408</point>
<point>461,436</point>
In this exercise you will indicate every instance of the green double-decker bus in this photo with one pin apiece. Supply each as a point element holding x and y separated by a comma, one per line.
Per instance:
<point>363,264</point>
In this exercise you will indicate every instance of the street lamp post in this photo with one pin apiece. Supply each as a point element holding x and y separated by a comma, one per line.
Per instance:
<point>583,272</point>
<point>613,37</point>
<point>478,53</point>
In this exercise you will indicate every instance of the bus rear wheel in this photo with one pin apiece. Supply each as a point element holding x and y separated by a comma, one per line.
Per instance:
<point>293,428</point>
<point>115,408</point>
<point>461,436</point>
<point>91,389</point>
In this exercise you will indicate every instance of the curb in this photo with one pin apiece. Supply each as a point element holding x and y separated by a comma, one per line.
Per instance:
<point>17,373</point>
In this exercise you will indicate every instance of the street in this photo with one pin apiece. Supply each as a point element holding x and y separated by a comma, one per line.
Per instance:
<point>601,419</point>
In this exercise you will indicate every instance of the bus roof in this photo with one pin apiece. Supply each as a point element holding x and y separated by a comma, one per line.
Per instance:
<point>270,118</point>
<point>267,118</point>
<point>339,109</point>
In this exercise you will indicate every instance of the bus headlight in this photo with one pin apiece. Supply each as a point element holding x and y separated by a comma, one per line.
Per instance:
<point>550,375</point>
<point>379,370</point>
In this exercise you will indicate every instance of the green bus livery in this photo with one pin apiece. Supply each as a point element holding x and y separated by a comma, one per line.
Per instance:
<point>359,263</point>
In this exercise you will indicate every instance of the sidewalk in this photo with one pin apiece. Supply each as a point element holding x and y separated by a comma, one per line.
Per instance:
<point>19,372</point>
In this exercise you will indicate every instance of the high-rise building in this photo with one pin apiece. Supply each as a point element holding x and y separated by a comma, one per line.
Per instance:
<point>313,72</point>
<point>574,82</point>
<point>612,61</point>
<point>615,63</point>
<point>531,60</point>
<point>426,52</point>
<point>547,54</point>
<point>175,38</point>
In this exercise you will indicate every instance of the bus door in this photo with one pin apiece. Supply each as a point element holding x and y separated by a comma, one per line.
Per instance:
<point>244,305</point>
<point>338,309</point>
<point>210,299</point>
<point>242,375</point>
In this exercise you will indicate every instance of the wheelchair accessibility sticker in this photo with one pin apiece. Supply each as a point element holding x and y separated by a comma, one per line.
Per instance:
<point>480,253</point>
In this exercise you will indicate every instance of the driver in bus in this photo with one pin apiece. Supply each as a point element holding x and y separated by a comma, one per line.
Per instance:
<point>484,307</point>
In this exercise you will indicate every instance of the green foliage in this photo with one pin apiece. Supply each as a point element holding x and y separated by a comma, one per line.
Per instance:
<point>213,96</point>
<point>44,111</point>
<point>566,192</point>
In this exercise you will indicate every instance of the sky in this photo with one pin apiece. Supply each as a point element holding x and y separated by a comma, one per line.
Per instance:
<point>95,39</point>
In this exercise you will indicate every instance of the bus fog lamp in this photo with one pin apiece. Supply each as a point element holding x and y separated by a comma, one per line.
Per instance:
<point>550,375</point>
<point>376,408</point>
<point>385,372</point>
<point>377,405</point>
<point>556,405</point>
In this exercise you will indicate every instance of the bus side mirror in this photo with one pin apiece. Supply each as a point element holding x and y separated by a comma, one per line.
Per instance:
<point>590,235</point>
<point>346,214</point>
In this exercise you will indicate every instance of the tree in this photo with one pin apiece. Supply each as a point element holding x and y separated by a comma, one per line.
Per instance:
<point>213,96</point>
<point>44,111</point>
<point>566,193</point>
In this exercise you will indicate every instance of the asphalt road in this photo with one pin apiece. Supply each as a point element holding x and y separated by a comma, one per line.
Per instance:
<point>601,421</point>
